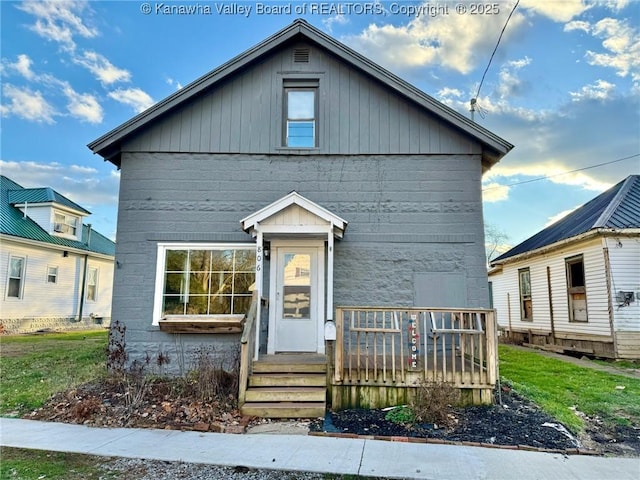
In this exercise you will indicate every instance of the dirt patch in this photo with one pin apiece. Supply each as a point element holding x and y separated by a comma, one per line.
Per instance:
<point>515,422</point>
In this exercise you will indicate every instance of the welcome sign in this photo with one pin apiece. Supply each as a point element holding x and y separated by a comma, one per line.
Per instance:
<point>414,342</point>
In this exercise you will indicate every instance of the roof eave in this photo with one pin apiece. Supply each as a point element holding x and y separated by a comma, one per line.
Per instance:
<point>55,246</point>
<point>588,235</point>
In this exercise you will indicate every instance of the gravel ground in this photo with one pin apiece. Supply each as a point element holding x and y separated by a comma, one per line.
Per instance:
<point>133,468</point>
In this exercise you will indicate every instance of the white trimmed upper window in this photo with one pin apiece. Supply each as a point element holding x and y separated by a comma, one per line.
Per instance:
<point>65,224</point>
<point>204,279</point>
<point>15,277</point>
<point>301,114</point>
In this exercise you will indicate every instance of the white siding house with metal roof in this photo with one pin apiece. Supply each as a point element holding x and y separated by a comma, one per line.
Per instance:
<point>575,285</point>
<point>56,273</point>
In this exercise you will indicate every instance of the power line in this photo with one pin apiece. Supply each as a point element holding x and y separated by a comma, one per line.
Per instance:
<point>496,48</point>
<point>564,173</point>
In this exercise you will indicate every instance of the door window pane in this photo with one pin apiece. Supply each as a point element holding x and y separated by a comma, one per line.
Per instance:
<point>297,286</point>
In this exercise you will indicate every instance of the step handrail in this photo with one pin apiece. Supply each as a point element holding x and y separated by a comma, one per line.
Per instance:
<point>247,341</point>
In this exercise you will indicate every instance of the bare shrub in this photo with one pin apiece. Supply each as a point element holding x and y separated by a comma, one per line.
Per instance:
<point>84,409</point>
<point>214,377</point>
<point>434,402</point>
<point>117,348</point>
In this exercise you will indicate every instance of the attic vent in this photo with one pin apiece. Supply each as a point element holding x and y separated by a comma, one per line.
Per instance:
<point>301,55</point>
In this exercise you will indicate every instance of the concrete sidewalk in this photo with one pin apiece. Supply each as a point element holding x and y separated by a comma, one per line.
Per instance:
<point>315,454</point>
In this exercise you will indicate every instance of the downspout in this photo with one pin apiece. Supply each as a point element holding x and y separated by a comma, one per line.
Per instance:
<point>84,275</point>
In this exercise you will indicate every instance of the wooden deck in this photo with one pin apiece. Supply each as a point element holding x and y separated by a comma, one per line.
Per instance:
<point>378,359</point>
<point>382,354</point>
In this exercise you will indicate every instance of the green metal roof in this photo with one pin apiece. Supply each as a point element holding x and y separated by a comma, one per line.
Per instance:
<point>42,195</point>
<point>14,223</point>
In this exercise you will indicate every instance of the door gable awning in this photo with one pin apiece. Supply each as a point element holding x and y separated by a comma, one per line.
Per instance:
<point>294,214</point>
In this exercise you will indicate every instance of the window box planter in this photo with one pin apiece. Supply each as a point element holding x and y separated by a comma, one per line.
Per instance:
<point>202,323</point>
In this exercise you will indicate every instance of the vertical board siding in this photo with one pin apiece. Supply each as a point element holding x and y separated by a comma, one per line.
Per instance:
<point>596,290</point>
<point>624,258</point>
<point>357,115</point>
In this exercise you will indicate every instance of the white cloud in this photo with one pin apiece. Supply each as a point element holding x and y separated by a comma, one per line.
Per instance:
<point>449,92</point>
<point>102,68</point>
<point>27,104</point>
<point>60,21</point>
<point>457,42</point>
<point>558,11</point>
<point>85,186</point>
<point>174,83</point>
<point>23,66</point>
<point>133,97</point>
<point>83,105</point>
<point>338,19</point>
<point>577,25</point>
<point>552,170</point>
<point>623,44</point>
<point>600,90</point>
<point>510,84</point>
<point>495,192</point>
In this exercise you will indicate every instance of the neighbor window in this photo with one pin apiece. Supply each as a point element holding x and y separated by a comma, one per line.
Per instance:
<point>67,224</point>
<point>526,311</point>
<point>207,280</point>
<point>92,284</point>
<point>52,274</point>
<point>576,291</point>
<point>300,113</point>
<point>15,281</point>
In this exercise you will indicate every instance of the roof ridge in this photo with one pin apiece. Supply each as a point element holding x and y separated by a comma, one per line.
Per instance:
<point>615,202</point>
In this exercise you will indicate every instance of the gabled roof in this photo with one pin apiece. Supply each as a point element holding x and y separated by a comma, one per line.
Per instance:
<point>338,225</point>
<point>108,146</point>
<point>617,208</point>
<point>43,195</point>
<point>14,223</point>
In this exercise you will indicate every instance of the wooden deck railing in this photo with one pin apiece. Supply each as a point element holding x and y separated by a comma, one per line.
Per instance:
<point>247,348</point>
<point>401,347</point>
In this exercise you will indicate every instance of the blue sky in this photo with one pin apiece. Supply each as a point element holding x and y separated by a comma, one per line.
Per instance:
<point>563,86</point>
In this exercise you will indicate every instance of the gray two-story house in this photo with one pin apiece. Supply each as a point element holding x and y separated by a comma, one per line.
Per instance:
<point>304,175</point>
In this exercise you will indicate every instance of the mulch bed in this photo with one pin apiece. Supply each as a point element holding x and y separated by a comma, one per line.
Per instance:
<point>515,422</point>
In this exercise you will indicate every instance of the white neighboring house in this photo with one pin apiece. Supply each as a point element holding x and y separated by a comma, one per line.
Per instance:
<point>56,273</point>
<point>575,285</point>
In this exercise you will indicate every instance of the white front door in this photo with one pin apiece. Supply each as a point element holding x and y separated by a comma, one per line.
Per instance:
<point>298,299</point>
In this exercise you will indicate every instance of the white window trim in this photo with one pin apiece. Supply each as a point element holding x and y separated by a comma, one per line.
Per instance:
<point>160,262</point>
<point>49,267</point>
<point>23,275</point>
<point>60,231</point>
<point>86,295</point>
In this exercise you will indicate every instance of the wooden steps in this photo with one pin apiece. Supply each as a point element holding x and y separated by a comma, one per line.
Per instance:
<point>287,386</point>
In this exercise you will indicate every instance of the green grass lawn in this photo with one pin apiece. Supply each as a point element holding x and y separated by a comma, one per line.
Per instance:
<point>18,463</point>
<point>558,386</point>
<point>34,367</point>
